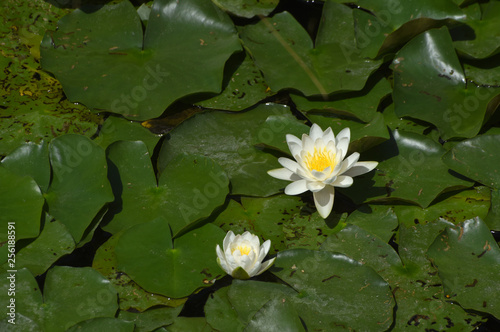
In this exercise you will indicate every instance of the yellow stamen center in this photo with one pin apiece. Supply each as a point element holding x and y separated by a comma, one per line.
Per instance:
<point>244,249</point>
<point>320,160</point>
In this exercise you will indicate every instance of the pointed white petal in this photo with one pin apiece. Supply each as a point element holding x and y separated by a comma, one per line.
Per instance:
<point>321,176</point>
<point>344,133</point>
<point>288,164</point>
<point>315,186</point>
<point>307,144</point>
<point>349,162</point>
<point>361,167</point>
<point>227,240</point>
<point>328,136</point>
<point>254,270</point>
<point>295,148</point>
<point>282,174</point>
<point>297,187</point>
<point>266,265</point>
<point>319,143</point>
<point>342,147</point>
<point>293,139</point>
<point>223,265</point>
<point>324,201</point>
<point>265,247</point>
<point>315,132</point>
<point>343,181</point>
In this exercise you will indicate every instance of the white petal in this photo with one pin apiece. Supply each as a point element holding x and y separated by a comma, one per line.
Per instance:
<point>297,187</point>
<point>315,186</point>
<point>307,144</point>
<point>349,162</point>
<point>243,260</point>
<point>344,133</point>
<point>361,167</point>
<point>319,143</point>
<point>283,174</point>
<point>295,148</point>
<point>230,260</point>
<point>265,248</point>
<point>324,201</point>
<point>330,146</point>
<point>266,265</point>
<point>221,260</point>
<point>227,240</point>
<point>342,147</point>
<point>254,270</point>
<point>254,241</point>
<point>321,176</point>
<point>288,164</point>
<point>293,139</point>
<point>343,181</point>
<point>328,136</point>
<point>315,132</point>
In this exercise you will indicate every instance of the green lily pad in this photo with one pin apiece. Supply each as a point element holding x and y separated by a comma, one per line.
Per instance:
<point>461,206</point>
<point>77,163</point>
<point>335,292</point>
<point>54,242</point>
<point>414,282</point>
<point>231,147</point>
<point>251,305</point>
<point>415,174</point>
<point>379,220</point>
<point>362,105</point>
<point>429,84</point>
<point>245,86</point>
<point>189,188</point>
<point>30,159</point>
<point>483,72</point>
<point>468,260</point>
<point>395,122</point>
<point>247,8</point>
<point>486,34</point>
<point>151,319</point>
<point>103,324</point>
<point>32,102</point>
<point>284,220</point>
<point>477,158</point>
<point>103,61</point>
<point>174,268</point>
<point>194,324</point>
<point>285,53</point>
<point>119,129</point>
<point>382,26</point>
<point>70,296</point>
<point>131,296</point>
<point>22,204</point>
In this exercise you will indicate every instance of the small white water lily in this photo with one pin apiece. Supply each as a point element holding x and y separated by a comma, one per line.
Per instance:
<point>242,256</point>
<point>320,166</point>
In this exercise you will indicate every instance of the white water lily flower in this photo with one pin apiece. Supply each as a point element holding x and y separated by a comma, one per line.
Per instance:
<point>320,166</point>
<point>242,256</point>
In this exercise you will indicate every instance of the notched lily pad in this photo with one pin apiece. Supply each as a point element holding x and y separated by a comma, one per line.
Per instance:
<point>468,260</point>
<point>103,61</point>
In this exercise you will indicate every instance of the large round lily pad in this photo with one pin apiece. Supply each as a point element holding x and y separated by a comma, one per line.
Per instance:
<point>174,268</point>
<point>103,61</point>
